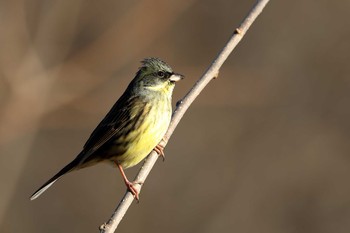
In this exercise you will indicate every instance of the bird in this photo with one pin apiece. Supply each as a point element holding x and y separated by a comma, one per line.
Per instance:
<point>134,126</point>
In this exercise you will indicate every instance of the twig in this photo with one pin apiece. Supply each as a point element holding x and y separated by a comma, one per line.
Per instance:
<point>181,107</point>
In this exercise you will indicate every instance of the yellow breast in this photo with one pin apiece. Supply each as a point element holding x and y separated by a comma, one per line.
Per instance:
<point>150,132</point>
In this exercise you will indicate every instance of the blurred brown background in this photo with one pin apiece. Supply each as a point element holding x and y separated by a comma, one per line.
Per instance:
<point>263,149</point>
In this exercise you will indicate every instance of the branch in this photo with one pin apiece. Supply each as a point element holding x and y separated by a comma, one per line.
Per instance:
<point>181,107</point>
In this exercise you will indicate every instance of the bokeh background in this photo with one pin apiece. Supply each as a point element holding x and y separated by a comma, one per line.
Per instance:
<point>264,148</point>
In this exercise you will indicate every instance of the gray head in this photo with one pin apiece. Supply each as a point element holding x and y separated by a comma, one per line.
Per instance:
<point>155,75</point>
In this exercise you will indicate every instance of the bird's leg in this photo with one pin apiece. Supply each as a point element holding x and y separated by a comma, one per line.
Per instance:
<point>129,185</point>
<point>160,149</point>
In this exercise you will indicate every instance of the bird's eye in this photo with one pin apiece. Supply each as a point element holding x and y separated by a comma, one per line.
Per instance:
<point>161,73</point>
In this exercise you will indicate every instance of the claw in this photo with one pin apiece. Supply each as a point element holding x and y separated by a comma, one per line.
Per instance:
<point>130,185</point>
<point>160,151</point>
<point>132,189</point>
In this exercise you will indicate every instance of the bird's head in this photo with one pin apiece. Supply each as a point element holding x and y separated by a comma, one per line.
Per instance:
<point>156,75</point>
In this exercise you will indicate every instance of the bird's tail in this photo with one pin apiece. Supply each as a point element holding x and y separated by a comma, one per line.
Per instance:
<point>70,167</point>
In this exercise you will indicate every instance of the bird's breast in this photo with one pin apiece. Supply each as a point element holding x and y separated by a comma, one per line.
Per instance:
<point>149,131</point>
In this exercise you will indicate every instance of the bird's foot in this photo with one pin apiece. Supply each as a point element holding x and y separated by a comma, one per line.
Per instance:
<point>131,187</point>
<point>160,151</point>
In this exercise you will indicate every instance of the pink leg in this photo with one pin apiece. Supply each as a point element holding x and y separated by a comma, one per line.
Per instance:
<point>129,185</point>
<point>160,151</point>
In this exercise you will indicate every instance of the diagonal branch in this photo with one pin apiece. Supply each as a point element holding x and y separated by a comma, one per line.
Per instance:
<point>181,107</point>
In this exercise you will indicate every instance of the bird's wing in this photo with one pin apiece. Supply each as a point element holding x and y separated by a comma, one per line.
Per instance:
<point>119,118</point>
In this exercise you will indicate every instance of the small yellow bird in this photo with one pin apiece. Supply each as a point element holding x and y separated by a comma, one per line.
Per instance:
<point>133,127</point>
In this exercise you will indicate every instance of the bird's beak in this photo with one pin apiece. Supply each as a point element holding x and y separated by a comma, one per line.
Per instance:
<point>176,77</point>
